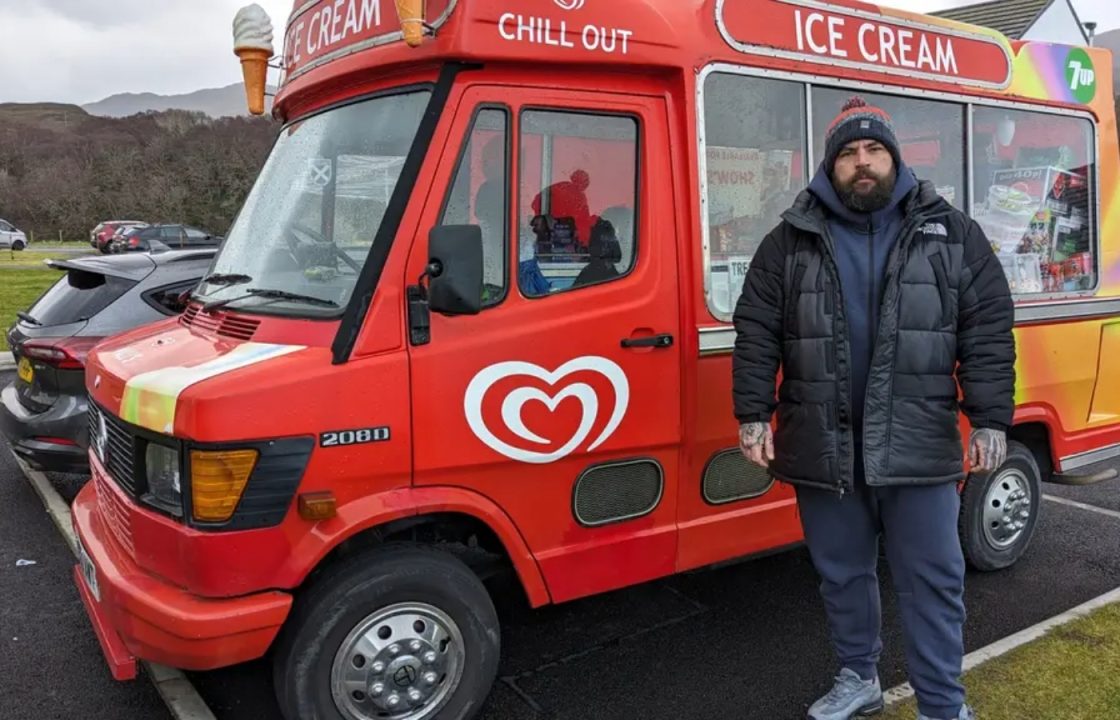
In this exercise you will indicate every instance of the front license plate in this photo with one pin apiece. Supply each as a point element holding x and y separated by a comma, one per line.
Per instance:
<point>26,372</point>
<point>89,572</point>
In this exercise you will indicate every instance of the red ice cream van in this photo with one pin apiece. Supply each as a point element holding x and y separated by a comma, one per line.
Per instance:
<point>475,314</point>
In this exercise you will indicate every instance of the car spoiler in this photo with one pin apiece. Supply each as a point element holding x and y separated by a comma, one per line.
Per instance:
<point>129,267</point>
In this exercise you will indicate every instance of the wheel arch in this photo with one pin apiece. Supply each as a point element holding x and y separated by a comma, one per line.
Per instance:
<point>455,516</point>
<point>1036,437</point>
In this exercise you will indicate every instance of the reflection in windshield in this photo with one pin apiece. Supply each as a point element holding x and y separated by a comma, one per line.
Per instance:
<point>313,213</point>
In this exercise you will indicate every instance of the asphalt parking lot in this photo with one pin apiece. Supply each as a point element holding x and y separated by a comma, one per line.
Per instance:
<point>746,640</point>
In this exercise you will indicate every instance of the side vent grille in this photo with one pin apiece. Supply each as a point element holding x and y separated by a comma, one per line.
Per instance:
<point>730,477</point>
<point>616,492</point>
<point>224,324</point>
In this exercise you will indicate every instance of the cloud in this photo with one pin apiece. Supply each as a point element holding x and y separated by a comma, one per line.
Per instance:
<point>81,51</point>
<point>115,14</point>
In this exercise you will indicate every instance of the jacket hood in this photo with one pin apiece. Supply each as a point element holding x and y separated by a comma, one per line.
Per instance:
<point>822,187</point>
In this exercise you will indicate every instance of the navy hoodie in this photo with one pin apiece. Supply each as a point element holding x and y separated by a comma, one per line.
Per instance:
<point>862,243</point>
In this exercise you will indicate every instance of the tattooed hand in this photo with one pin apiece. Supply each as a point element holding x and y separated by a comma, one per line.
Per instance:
<point>987,449</point>
<point>757,443</point>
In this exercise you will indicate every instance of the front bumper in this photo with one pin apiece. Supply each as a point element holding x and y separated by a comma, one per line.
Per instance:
<point>30,433</point>
<point>139,615</point>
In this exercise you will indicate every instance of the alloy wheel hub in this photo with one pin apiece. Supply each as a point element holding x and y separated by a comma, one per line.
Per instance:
<point>1007,509</point>
<point>402,662</point>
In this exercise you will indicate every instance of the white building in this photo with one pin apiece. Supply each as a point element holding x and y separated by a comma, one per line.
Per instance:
<point>1043,20</point>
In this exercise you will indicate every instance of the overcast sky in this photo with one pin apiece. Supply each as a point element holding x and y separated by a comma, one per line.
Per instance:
<point>97,48</point>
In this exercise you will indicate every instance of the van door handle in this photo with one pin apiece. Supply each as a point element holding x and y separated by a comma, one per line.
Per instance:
<point>654,341</point>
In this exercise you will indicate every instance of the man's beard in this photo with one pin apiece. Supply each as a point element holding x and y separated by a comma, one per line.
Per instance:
<point>873,200</point>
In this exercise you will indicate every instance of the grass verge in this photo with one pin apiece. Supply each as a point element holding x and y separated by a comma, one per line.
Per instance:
<point>18,289</point>
<point>1072,673</point>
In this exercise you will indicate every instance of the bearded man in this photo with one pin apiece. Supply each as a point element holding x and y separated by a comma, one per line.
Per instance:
<point>875,298</point>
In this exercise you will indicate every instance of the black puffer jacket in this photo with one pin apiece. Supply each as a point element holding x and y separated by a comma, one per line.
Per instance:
<point>945,301</point>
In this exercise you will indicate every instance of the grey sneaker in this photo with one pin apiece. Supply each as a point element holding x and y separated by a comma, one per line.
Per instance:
<point>966,714</point>
<point>850,697</point>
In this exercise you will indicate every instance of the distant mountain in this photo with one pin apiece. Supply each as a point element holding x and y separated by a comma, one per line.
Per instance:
<point>215,102</point>
<point>1111,40</point>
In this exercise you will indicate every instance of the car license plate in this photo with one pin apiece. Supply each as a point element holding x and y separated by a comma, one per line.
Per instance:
<point>26,372</point>
<point>89,572</point>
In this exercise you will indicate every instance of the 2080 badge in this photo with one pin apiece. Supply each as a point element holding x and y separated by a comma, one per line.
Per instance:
<point>338,438</point>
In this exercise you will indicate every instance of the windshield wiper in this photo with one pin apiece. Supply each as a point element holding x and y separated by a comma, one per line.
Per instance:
<point>270,295</point>
<point>227,279</point>
<point>29,319</point>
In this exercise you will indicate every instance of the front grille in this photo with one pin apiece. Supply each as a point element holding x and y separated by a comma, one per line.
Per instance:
<point>116,447</point>
<point>116,514</point>
<point>224,324</point>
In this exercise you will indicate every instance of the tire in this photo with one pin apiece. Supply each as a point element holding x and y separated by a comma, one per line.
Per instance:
<point>389,581</point>
<point>1014,491</point>
<point>18,245</point>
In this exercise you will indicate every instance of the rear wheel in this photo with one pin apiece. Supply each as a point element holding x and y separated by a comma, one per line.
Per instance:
<point>999,511</point>
<point>398,633</point>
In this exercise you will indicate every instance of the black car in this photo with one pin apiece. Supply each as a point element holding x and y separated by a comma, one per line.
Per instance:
<point>43,411</point>
<point>164,237</point>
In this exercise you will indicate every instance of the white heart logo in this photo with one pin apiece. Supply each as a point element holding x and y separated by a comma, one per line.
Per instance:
<point>514,404</point>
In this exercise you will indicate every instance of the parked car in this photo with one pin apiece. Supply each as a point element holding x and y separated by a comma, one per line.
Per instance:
<point>170,236</point>
<point>43,411</point>
<point>104,233</point>
<point>11,236</point>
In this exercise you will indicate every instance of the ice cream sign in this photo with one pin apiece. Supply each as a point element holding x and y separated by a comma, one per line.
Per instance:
<point>861,36</point>
<point>322,30</point>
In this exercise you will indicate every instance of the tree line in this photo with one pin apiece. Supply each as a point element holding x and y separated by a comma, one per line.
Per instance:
<point>63,170</point>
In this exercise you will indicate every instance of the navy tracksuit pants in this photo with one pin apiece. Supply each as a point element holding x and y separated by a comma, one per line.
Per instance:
<point>919,528</point>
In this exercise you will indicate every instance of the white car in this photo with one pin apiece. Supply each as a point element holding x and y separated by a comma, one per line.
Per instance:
<point>11,237</point>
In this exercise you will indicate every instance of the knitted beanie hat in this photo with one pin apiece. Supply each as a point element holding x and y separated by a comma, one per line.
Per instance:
<point>859,121</point>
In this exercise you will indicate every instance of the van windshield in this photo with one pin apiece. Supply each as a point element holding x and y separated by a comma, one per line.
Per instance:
<point>311,218</point>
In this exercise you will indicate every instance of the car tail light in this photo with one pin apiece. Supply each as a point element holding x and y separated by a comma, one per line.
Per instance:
<point>68,354</point>
<point>55,440</point>
<point>134,242</point>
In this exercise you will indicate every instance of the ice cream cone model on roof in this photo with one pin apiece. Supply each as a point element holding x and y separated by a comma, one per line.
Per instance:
<point>252,42</point>
<point>411,15</point>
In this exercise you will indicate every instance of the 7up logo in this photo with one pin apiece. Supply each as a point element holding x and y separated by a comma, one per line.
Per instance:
<point>1080,76</point>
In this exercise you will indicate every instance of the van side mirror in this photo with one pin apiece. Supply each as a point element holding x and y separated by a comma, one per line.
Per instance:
<point>455,269</point>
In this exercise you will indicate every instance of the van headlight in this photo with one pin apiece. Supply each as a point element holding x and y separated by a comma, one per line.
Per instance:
<point>163,468</point>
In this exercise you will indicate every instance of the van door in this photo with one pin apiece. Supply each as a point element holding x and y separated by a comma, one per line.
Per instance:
<point>560,402</point>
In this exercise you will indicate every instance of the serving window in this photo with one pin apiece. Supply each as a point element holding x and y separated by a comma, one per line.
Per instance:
<point>1033,196</point>
<point>1031,186</point>
<point>755,160</point>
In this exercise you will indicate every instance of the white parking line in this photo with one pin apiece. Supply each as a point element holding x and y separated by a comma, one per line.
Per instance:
<point>178,694</point>
<point>1082,506</point>
<point>1006,645</point>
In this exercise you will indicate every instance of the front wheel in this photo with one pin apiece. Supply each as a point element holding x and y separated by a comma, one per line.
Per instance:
<point>398,633</point>
<point>18,245</point>
<point>999,511</point>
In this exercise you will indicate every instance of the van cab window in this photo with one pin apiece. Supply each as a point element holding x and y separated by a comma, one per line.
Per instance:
<point>578,200</point>
<point>317,205</point>
<point>480,196</point>
<point>755,161</point>
<point>1034,175</point>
